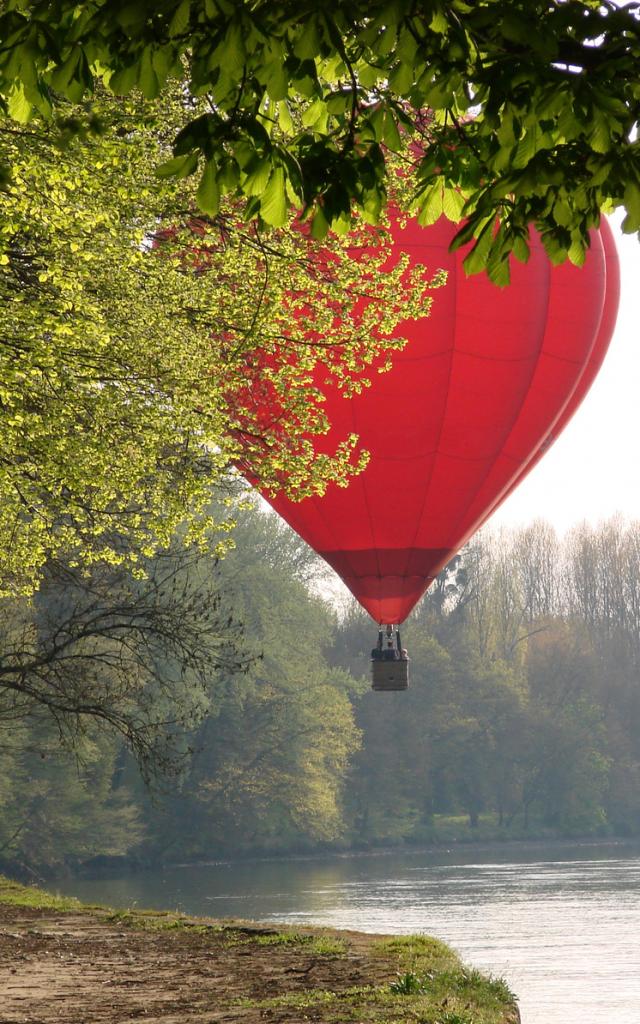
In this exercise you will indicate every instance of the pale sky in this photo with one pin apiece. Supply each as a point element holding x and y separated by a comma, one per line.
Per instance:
<point>593,469</point>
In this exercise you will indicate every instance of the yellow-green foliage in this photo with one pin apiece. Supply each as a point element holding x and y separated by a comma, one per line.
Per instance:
<point>143,352</point>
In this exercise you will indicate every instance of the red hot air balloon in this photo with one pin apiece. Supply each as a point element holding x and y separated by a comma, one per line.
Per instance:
<point>470,404</point>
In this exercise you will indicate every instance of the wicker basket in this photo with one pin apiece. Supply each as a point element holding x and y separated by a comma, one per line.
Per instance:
<point>389,675</point>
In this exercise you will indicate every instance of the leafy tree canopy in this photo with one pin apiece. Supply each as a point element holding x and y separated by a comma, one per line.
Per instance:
<point>144,351</point>
<point>533,104</point>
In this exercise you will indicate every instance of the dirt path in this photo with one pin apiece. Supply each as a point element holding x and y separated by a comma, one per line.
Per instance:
<point>80,967</point>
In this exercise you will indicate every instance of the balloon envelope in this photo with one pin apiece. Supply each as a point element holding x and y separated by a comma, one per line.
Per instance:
<point>482,387</point>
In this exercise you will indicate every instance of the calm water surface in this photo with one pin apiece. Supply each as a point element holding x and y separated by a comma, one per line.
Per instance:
<point>560,923</point>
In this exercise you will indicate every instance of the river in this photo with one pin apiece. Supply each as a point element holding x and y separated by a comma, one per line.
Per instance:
<point>560,923</point>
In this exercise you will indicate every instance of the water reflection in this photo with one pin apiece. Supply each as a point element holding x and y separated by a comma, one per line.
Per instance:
<point>562,924</point>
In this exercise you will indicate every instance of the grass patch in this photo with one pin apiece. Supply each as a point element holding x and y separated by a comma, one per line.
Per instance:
<point>172,921</point>
<point>418,953</point>
<point>438,988</point>
<point>473,984</point>
<point>168,921</point>
<point>409,984</point>
<point>15,895</point>
<point>321,945</point>
<point>382,1004</point>
<point>313,997</point>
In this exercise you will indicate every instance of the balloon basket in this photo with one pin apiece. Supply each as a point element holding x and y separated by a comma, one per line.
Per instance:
<point>389,675</point>
<point>389,662</point>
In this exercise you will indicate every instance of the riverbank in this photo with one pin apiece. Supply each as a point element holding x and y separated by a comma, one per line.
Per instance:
<point>64,962</point>
<point>120,866</point>
<point>114,868</point>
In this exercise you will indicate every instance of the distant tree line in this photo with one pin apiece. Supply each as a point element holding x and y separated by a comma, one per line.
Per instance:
<point>523,716</point>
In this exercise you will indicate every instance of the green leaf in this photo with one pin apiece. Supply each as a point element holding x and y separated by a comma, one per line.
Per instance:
<point>562,212</point>
<point>430,205</point>
<point>180,20</point>
<point>521,249</point>
<point>342,224</point>
<point>195,134</point>
<point>273,206</point>
<point>476,260</point>
<point>123,81</point>
<point>258,177</point>
<point>339,102</point>
<point>401,78</point>
<point>18,106</point>
<point>148,79</point>
<point>632,206</point>
<point>131,18</point>
<point>452,204</point>
<point>406,46</point>
<point>391,136</point>
<point>600,172</point>
<point>577,252</point>
<point>437,93</point>
<point>368,75</point>
<point>515,28</point>
<point>498,270</point>
<point>229,175</point>
<point>319,225</point>
<point>178,166</point>
<point>277,81</point>
<point>439,23</point>
<point>464,235</point>
<point>506,130</point>
<point>62,75</point>
<point>600,137</point>
<point>208,194</point>
<point>554,247</point>
<point>315,116</point>
<point>525,150</point>
<point>231,53</point>
<point>162,60</point>
<point>284,117</point>
<point>307,45</point>
<point>372,206</point>
<point>386,41</point>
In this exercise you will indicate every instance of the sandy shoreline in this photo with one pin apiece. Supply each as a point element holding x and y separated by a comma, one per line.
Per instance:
<point>94,966</point>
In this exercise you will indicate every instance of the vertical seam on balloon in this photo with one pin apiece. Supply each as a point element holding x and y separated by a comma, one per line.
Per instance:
<point>444,416</point>
<point>317,503</point>
<point>517,414</point>
<point>365,495</point>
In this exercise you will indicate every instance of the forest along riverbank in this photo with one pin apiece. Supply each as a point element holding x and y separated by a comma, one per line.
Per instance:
<point>63,962</point>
